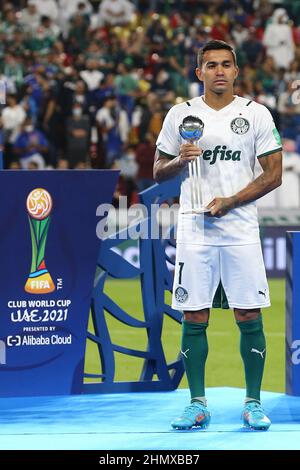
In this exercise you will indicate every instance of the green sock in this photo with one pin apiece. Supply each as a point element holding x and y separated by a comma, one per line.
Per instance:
<point>194,350</point>
<point>253,352</point>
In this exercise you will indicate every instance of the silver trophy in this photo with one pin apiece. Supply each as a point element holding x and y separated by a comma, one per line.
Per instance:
<point>191,130</point>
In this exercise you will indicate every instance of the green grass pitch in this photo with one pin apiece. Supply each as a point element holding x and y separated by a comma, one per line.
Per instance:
<point>224,366</point>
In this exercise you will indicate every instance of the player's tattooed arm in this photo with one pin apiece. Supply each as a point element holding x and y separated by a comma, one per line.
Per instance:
<point>165,168</point>
<point>269,179</point>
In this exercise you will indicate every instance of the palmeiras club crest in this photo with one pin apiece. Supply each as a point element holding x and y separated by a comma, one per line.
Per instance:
<point>181,294</point>
<point>240,125</point>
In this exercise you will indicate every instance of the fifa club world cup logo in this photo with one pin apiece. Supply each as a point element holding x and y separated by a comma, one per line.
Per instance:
<point>39,207</point>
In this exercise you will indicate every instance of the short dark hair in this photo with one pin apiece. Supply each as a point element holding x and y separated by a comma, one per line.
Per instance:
<point>212,46</point>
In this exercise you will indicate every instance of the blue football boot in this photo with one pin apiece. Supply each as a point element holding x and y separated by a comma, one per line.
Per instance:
<point>194,415</point>
<point>254,417</point>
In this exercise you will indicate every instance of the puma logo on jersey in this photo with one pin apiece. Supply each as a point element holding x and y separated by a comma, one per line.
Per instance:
<point>258,352</point>
<point>184,353</point>
<point>222,153</point>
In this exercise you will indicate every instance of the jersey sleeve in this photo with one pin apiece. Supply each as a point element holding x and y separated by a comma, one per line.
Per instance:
<point>267,138</point>
<point>168,141</point>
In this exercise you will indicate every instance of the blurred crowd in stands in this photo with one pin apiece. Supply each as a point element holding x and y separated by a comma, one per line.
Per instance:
<point>88,83</point>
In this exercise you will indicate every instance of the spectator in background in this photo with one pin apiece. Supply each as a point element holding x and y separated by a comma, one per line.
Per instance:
<point>13,116</point>
<point>74,92</point>
<point>106,87</point>
<point>51,119</point>
<point>78,138</point>
<point>152,116</point>
<point>78,34</point>
<point>33,165</point>
<point>161,84</point>
<point>253,48</point>
<point>240,34</point>
<point>91,75</point>
<point>156,35</point>
<point>97,51</point>
<point>293,72</point>
<point>178,65</point>
<point>219,29</point>
<point>18,46</point>
<point>29,104</point>
<point>127,87</point>
<point>278,39</point>
<point>267,75</point>
<point>291,167</point>
<point>128,171</point>
<point>30,17</point>
<point>30,146</point>
<point>197,40</point>
<point>68,8</point>
<point>14,165</point>
<point>47,7</point>
<point>10,23</point>
<point>115,12</point>
<point>49,29</point>
<point>13,70</point>
<point>267,99</point>
<point>62,164</point>
<point>43,38</point>
<point>289,109</point>
<point>145,152</point>
<point>113,125</point>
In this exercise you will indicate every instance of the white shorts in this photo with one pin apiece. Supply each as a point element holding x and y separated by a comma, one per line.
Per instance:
<point>200,268</point>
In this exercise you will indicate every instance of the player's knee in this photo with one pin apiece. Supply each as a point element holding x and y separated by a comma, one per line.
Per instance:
<point>200,316</point>
<point>251,327</point>
<point>246,315</point>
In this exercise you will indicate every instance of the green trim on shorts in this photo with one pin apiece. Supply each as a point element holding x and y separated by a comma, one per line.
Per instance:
<point>269,153</point>
<point>220,299</point>
<point>166,155</point>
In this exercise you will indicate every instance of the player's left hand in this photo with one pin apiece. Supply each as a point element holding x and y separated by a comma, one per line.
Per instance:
<point>219,206</point>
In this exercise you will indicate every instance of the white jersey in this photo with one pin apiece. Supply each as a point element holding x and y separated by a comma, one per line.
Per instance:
<point>234,137</point>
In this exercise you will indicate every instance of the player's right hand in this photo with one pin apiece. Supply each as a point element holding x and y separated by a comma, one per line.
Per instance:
<point>219,206</point>
<point>189,152</point>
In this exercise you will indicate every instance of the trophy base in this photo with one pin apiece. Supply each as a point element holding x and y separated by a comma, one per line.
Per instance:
<point>39,284</point>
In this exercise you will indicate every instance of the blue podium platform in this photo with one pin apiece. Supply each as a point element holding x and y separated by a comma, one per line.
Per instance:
<point>141,421</point>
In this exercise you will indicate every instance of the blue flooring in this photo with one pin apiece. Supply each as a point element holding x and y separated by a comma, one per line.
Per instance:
<point>142,421</point>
